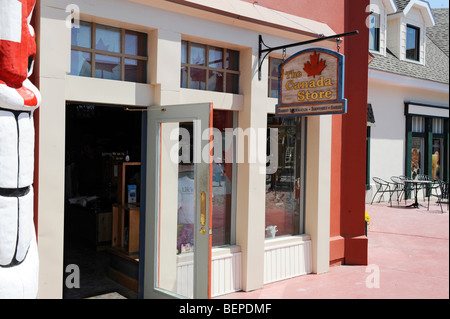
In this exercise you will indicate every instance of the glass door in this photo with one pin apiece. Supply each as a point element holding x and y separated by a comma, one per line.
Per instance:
<point>177,233</point>
<point>436,153</point>
<point>417,159</point>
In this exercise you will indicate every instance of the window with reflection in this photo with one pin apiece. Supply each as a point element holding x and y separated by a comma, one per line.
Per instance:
<point>108,53</point>
<point>285,186</point>
<point>374,32</point>
<point>222,180</point>
<point>412,42</point>
<point>274,75</point>
<point>207,67</point>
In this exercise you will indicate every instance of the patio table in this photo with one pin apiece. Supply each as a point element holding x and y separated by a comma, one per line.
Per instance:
<point>416,184</point>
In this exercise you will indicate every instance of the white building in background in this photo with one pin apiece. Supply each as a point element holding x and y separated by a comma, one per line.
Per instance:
<point>408,94</point>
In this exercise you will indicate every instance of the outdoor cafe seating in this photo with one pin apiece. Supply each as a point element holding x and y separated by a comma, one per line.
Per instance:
<point>404,188</point>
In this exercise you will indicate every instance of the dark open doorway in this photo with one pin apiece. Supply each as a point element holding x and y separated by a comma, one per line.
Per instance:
<point>99,139</point>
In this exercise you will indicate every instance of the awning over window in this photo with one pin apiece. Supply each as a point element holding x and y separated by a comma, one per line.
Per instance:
<point>370,115</point>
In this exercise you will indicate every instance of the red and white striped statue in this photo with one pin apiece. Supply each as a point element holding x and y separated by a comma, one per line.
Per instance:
<point>19,263</point>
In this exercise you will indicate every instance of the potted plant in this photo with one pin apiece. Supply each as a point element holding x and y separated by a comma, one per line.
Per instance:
<point>367,221</point>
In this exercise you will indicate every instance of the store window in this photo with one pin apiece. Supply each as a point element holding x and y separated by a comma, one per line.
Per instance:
<point>211,68</point>
<point>274,76</point>
<point>436,159</point>
<point>107,52</point>
<point>223,180</point>
<point>438,129</point>
<point>417,157</point>
<point>285,187</point>
<point>417,146</point>
<point>374,32</point>
<point>412,42</point>
<point>427,152</point>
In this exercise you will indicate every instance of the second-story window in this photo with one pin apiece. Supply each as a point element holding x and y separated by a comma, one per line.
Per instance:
<point>374,32</point>
<point>109,53</point>
<point>412,42</point>
<point>206,67</point>
<point>274,76</point>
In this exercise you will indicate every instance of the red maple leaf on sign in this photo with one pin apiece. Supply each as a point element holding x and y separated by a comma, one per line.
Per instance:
<point>314,67</point>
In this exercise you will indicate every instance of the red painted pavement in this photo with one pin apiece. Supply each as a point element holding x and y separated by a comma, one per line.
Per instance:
<point>408,257</point>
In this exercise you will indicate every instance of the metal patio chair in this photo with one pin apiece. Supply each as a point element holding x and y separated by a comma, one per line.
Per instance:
<point>400,188</point>
<point>408,187</point>
<point>441,194</point>
<point>426,189</point>
<point>382,188</point>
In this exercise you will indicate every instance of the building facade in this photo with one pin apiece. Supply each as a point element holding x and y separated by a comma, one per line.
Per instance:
<point>408,91</point>
<point>117,78</point>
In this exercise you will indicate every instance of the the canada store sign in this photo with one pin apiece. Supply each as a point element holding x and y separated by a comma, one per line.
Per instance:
<point>312,83</point>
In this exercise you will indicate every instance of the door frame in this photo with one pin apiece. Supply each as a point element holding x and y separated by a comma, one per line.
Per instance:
<point>201,115</point>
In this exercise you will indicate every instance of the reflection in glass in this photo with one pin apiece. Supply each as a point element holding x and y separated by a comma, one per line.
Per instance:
<point>107,67</point>
<point>135,43</point>
<point>283,187</point>
<point>274,67</point>
<point>135,70</point>
<point>232,85</point>
<point>417,158</point>
<point>197,54</point>
<point>412,43</point>
<point>222,180</point>
<point>232,61</point>
<point>197,79</point>
<point>183,52</point>
<point>273,76</point>
<point>374,32</point>
<point>215,81</point>
<point>436,154</point>
<point>80,63</point>
<point>184,77</point>
<point>215,58</point>
<point>274,88</point>
<point>175,271</point>
<point>107,38</point>
<point>81,36</point>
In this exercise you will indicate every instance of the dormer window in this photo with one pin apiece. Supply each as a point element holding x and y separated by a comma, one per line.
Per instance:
<point>374,32</point>
<point>412,42</point>
<point>377,23</point>
<point>407,30</point>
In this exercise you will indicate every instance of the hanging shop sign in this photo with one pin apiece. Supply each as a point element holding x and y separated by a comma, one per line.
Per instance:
<point>312,83</point>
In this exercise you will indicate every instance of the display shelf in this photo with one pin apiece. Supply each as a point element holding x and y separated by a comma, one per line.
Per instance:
<point>126,216</point>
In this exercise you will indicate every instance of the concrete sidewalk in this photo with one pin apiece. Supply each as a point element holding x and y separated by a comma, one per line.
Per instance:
<point>408,259</point>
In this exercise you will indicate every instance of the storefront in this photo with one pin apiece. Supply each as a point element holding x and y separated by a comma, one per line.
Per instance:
<point>166,95</point>
<point>426,140</point>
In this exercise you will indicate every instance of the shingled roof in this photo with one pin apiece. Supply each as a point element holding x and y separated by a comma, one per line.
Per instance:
<point>436,66</point>
<point>439,33</point>
<point>401,4</point>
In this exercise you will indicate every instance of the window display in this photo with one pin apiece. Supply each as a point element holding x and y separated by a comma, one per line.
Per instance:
<point>416,157</point>
<point>436,171</point>
<point>283,188</point>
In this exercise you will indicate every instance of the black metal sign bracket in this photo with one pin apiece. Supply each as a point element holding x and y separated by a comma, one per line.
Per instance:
<point>267,50</point>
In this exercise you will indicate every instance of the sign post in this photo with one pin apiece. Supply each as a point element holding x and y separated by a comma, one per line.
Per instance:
<point>312,83</point>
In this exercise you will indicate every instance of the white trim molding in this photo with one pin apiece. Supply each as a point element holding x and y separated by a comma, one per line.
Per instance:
<point>407,81</point>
